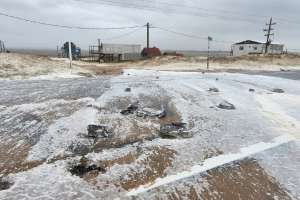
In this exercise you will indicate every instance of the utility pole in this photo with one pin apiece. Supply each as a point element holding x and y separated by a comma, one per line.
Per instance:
<point>70,54</point>
<point>99,50</point>
<point>269,33</point>
<point>209,39</point>
<point>148,42</point>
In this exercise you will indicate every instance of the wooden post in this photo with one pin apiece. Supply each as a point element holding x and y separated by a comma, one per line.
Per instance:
<point>70,54</point>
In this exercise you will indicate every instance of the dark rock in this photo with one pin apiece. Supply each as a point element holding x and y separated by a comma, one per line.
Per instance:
<point>157,77</point>
<point>284,70</point>
<point>251,90</point>
<point>277,90</point>
<point>4,184</point>
<point>130,109</point>
<point>96,131</point>
<point>174,130</point>
<point>149,112</point>
<point>217,79</point>
<point>226,105</point>
<point>128,90</point>
<point>79,148</point>
<point>213,90</point>
<point>85,167</point>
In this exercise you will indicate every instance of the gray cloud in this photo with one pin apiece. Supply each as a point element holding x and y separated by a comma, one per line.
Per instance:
<point>220,21</point>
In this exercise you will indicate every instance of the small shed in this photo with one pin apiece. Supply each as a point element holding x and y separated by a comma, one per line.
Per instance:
<point>151,52</point>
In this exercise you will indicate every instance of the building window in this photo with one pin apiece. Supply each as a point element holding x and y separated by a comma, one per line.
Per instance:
<point>241,48</point>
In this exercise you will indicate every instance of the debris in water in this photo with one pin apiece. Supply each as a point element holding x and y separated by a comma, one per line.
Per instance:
<point>174,130</point>
<point>226,105</point>
<point>4,184</point>
<point>277,90</point>
<point>79,148</point>
<point>213,90</point>
<point>130,109</point>
<point>85,167</point>
<point>149,112</point>
<point>96,131</point>
<point>284,70</point>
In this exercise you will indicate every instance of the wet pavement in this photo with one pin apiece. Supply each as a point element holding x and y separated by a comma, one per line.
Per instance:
<point>40,120</point>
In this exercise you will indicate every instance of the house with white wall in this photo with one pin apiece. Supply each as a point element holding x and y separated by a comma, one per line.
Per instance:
<point>253,47</point>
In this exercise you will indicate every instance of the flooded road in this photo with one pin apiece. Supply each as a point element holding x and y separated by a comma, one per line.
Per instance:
<point>248,151</point>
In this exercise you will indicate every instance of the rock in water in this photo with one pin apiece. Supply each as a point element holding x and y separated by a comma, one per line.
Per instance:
<point>213,90</point>
<point>277,90</point>
<point>128,90</point>
<point>4,184</point>
<point>174,130</point>
<point>130,109</point>
<point>251,90</point>
<point>96,131</point>
<point>226,105</point>
<point>149,112</point>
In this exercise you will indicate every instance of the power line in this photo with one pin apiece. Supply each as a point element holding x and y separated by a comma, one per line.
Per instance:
<point>145,6</point>
<point>65,26</point>
<point>243,14</point>
<point>123,35</point>
<point>191,36</point>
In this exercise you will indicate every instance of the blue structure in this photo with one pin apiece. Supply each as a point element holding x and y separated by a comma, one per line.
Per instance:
<point>76,51</point>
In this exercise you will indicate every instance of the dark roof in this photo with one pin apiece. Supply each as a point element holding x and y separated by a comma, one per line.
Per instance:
<point>249,42</point>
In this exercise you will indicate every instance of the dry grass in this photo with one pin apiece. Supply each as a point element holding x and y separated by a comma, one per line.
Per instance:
<point>155,165</point>
<point>13,159</point>
<point>242,180</point>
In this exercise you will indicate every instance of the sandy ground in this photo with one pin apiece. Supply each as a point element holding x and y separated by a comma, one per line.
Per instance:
<point>20,66</point>
<point>251,152</point>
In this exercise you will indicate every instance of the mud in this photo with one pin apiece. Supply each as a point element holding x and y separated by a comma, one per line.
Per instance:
<point>240,180</point>
<point>154,166</point>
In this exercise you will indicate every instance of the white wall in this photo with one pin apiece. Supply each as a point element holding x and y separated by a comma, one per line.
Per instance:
<point>121,48</point>
<point>245,49</point>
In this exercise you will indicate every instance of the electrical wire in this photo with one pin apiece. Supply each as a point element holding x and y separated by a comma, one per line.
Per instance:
<point>192,36</point>
<point>123,35</point>
<point>65,26</point>
<point>224,16</point>
<point>194,11</point>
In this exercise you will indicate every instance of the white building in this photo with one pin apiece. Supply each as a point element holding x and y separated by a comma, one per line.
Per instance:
<point>252,47</point>
<point>124,51</point>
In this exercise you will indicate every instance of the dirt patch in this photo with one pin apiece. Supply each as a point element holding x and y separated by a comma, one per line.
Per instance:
<point>13,159</point>
<point>155,164</point>
<point>102,70</point>
<point>240,180</point>
<point>119,142</point>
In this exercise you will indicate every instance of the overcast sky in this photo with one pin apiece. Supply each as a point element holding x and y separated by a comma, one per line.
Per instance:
<point>224,20</point>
